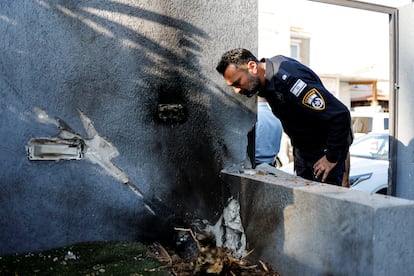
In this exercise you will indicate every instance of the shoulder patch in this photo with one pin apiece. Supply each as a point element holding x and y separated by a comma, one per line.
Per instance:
<point>298,87</point>
<point>313,99</point>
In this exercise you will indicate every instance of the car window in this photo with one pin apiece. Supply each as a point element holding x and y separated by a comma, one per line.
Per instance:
<point>373,147</point>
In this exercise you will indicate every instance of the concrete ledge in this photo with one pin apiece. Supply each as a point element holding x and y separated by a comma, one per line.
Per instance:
<point>308,228</point>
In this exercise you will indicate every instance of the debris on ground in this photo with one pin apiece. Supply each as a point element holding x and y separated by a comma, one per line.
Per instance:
<point>209,260</point>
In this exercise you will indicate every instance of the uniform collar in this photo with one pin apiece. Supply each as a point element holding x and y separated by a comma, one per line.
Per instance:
<point>269,85</point>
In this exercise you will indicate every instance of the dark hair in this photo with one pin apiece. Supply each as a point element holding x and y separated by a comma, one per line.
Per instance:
<point>237,57</point>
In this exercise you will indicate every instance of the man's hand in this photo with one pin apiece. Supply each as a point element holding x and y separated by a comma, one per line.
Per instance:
<point>322,168</point>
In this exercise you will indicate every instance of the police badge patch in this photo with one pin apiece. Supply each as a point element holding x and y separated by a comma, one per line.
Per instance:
<point>313,99</point>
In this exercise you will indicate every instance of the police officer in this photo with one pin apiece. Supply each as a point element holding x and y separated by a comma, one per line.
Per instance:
<point>318,124</point>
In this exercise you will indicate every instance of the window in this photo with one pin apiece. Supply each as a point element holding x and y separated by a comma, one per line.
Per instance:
<point>295,49</point>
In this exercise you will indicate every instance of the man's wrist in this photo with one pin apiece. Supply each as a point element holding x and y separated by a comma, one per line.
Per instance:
<point>331,156</point>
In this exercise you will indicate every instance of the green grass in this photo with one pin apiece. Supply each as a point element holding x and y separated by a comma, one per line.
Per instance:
<point>92,258</point>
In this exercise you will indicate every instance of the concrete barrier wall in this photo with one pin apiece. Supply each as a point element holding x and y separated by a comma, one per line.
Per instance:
<point>308,228</point>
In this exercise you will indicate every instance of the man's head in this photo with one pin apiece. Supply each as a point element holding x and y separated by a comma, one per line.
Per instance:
<point>239,68</point>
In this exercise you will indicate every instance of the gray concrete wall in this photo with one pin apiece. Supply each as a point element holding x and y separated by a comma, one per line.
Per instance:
<point>308,228</point>
<point>116,61</point>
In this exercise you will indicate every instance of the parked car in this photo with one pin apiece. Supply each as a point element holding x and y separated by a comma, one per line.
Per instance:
<point>369,163</point>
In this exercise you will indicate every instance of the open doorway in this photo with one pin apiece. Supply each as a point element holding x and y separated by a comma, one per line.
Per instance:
<point>351,45</point>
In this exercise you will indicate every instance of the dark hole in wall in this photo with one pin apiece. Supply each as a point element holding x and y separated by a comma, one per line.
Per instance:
<point>172,113</point>
<point>171,105</point>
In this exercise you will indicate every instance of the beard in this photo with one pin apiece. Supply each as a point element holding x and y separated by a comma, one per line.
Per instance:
<point>254,86</point>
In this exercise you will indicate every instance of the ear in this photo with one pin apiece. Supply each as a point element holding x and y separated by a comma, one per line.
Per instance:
<point>252,66</point>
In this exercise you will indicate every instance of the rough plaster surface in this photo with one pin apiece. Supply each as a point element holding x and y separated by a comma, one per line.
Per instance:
<point>307,228</point>
<point>116,61</point>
